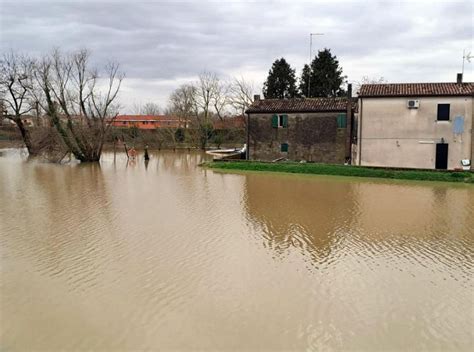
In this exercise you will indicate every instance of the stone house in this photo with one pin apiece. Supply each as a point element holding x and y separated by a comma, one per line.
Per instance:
<point>416,125</point>
<point>310,129</point>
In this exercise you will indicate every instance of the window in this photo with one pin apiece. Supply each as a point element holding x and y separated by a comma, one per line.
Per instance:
<point>124,122</point>
<point>443,112</point>
<point>341,120</point>
<point>284,147</point>
<point>279,121</point>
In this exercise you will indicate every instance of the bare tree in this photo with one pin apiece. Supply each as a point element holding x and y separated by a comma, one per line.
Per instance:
<point>205,92</point>
<point>79,101</point>
<point>241,94</point>
<point>151,109</point>
<point>146,109</point>
<point>16,73</point>
<point>206,98</point>
<point>211,95</point>
<point>368,80</point>
<point>183,104</point>
<point>220,98</point>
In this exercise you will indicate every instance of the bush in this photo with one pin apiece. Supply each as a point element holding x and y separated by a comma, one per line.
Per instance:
<point>206,132</point>
<point>179,135</point>
<point>218,140</point>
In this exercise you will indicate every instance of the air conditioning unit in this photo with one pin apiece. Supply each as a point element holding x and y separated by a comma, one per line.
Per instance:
<point>413,104</point>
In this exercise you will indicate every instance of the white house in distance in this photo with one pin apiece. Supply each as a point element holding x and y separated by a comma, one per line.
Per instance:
<point>416,125</point>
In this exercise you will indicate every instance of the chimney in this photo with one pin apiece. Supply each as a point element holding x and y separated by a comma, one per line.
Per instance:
<point>459,78</point>
<point>256,97</point>
<point>349,91</point>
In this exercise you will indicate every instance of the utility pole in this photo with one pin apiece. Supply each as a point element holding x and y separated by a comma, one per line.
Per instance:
<point>310,58</point>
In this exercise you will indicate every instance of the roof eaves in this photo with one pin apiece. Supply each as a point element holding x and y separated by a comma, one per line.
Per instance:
<point>415,95</point>
<point>263,111</point>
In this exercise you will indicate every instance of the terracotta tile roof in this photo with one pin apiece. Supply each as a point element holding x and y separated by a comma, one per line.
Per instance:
<point>416,89</point>
<point>145,118</point>
<point>300,105</point>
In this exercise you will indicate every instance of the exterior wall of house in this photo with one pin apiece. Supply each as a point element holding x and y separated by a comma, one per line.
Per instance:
<point>143,125</point>
<point>310,136</point>
<point>472,134</point>
<point>390,134</point>
<point>147,125</point>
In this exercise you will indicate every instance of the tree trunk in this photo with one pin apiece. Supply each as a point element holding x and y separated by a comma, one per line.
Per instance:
<point>25,135</point>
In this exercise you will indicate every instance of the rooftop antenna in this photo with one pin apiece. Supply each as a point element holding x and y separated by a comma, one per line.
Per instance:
<point>311,57</point>
<point>466,56</point>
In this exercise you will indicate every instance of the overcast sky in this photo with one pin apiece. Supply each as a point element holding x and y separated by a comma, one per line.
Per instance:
<point>162,44</point>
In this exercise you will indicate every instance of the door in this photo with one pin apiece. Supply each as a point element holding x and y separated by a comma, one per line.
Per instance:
<point>442,156</point>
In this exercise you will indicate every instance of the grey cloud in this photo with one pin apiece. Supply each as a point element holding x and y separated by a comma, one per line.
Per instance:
<point>157,40</point>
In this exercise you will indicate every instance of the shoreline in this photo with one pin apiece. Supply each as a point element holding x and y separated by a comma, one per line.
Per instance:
<point>344,170</point>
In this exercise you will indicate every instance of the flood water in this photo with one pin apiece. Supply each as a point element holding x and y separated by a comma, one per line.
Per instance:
<point>170,256</point>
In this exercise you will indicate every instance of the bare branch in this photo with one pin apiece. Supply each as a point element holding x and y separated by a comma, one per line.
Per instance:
<point>241,94</point>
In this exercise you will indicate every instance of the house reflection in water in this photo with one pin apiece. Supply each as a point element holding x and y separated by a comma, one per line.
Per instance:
<point>331,218</point>
<point>307,214</point>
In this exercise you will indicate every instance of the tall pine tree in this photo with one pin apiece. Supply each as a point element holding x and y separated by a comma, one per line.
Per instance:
<point>326,76</point>
<point>304,80</point>
<point>281,81</point>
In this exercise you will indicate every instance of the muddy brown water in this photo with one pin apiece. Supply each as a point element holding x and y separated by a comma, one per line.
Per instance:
<point>170,256</point>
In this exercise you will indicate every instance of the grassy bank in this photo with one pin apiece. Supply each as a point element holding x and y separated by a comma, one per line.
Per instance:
<point>342,170</point>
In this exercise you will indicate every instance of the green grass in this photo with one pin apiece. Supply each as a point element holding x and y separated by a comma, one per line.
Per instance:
<point>343,170</point>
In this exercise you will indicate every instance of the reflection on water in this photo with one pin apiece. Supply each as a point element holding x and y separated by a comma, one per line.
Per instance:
<point>127,255</point>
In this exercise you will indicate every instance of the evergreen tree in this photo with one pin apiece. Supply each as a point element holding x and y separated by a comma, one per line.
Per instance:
<point>326,76</point>
<point>281,81</point>
<point>304,80</point>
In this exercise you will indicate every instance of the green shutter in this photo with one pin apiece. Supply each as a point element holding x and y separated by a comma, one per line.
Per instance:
<point>284,147</point>
<point>285,121</point>
<point>275,121</point>
<point>341,120</point>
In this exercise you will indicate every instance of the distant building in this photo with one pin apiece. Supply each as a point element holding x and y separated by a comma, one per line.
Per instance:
<point>233,122</point>
<point>310,129</point>
<point>29,120</point>
<point>147,122</point>
<point>416,125</point>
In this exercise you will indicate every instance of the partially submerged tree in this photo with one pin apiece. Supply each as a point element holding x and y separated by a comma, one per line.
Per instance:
<point>16,72</point>
<point>281,81</point>
<point>208,99</point>
<point>78,100</point>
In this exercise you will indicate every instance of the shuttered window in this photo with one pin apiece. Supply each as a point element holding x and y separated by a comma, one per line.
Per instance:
<point>279,121</point>
<point>275,121</point>
<point>342,120</point>
<point>284,147</point>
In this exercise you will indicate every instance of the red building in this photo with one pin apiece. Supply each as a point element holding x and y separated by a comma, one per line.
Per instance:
<point>147,122</point>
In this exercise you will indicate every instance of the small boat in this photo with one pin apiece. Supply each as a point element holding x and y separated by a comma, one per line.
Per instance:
<point>228,154</point>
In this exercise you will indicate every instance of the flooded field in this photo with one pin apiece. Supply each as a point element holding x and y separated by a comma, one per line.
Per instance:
<point>128,256</point>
